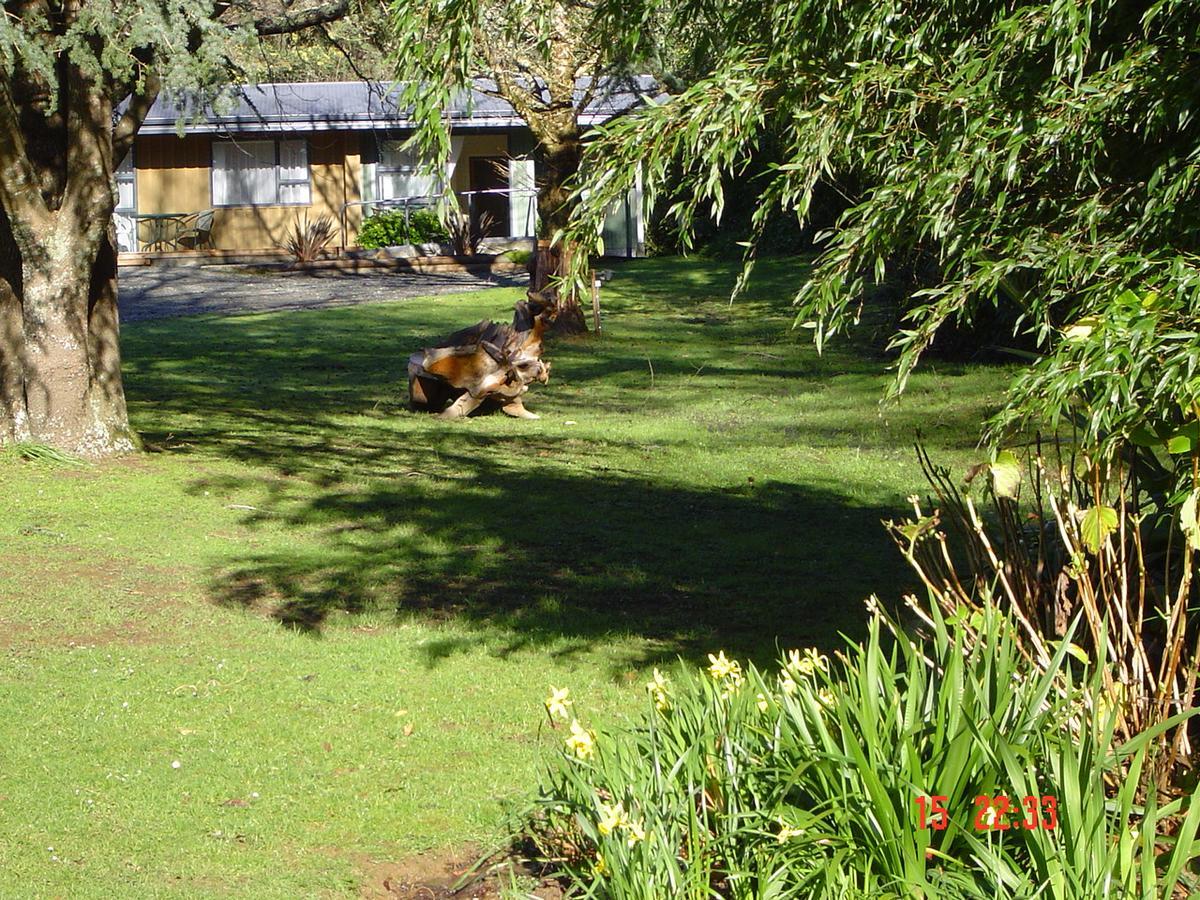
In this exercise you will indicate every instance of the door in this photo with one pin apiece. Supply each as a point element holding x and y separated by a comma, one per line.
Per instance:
<point>488,201</point>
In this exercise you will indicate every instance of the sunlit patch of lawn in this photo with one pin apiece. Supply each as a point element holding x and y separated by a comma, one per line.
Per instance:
<point>340,617</point>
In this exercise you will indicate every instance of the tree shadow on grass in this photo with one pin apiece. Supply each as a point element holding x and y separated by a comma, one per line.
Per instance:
<point>536,536</point>
<point>549,557</point>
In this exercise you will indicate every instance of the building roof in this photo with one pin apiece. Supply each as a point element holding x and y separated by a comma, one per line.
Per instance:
<point>362,105</point>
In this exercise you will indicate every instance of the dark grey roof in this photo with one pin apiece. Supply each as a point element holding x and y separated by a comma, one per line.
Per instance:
<point>341,105</point>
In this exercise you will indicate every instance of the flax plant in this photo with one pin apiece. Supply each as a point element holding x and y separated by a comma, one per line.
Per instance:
<point>742,783</point>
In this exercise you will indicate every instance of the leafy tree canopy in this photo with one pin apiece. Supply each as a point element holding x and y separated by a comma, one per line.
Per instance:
<point>1043,154</point>
<point>349,49</point>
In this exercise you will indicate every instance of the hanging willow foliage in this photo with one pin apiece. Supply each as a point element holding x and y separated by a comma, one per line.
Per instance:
<point>1041,153</point>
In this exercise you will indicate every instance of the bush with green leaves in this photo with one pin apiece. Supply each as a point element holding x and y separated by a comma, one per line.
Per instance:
<point>393,228</point>
<point>1054,536</point>
<point>803,783</point>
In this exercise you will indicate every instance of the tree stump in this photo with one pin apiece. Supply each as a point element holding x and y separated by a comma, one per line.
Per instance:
<point>484,363</point>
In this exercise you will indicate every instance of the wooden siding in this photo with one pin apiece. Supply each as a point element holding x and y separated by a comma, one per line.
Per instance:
<point>174,175</point>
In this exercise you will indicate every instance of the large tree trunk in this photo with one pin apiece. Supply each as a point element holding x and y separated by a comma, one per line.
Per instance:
<point>14,421</point>
<point>60,379</point>
<point>60,359</point>
<point>561,156</point>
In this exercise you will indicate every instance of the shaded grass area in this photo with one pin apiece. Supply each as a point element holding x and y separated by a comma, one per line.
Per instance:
<point>700,478</point>
<point>698,468</point>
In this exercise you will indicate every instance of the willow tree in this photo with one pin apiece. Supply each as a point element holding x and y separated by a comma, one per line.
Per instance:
<point>1042,155</point>
<point>548,59</point>
<point>76,81</point>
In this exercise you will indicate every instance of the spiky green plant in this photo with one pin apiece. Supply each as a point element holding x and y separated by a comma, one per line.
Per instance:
<point>804,783</point>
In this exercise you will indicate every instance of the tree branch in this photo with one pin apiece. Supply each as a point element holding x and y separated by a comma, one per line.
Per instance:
<point>89,153</point>
<point>288,22</point>
<point>135,114</point>
<point>20,194</point>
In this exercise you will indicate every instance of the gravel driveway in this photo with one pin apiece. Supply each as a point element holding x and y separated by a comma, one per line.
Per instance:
<point>149,292</point>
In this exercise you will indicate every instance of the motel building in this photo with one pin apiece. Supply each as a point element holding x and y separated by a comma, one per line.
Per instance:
<point>230,183</point>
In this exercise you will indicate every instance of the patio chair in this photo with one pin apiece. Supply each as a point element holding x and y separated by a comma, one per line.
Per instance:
<point>195,232</point>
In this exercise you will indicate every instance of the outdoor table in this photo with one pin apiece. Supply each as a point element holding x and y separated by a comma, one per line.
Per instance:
<point>161,235</point>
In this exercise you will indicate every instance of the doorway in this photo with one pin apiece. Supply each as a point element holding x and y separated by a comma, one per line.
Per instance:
<point>489,211</point>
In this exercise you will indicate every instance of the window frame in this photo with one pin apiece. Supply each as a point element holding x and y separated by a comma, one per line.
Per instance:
<point>411,170</point>
<point>127,175</point>
<point>280,181</point>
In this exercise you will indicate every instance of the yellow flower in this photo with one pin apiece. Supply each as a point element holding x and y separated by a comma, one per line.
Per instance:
<point>580,741</point>
<point>825,698</point>
<point>787,832</point>
<point>724,668</point>
<point>636,834</point>
<point>657,688</point>
<point>599,866</point>
<point>558,703</point>
<point>807,663</point>
<point>762,703</point>
<point>990,817</point>
<point>611,818</point>
<point>787,684</point>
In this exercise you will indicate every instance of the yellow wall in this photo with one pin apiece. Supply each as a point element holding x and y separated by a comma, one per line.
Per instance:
<point>174,175</point>
<point>476,145</point>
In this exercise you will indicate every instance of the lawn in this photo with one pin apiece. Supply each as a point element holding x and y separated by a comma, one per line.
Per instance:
<point>309,630</point>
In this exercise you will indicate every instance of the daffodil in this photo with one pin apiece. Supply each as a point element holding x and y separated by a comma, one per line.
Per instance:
<point>580,741</point>
<point>787,684</point>
<point>636,834</point>
<point>787,832</point>
<point>825,698</point>
<point>762,703</point>
<point>806,663</point>
<point>990,817</point>
<point>723,668</point>
<point>657,688</point>
<point>612,817</point>
<point>599,866</point>
<point>558,703</point>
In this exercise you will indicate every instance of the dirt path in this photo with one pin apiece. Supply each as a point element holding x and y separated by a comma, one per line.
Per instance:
<point>443,874</point>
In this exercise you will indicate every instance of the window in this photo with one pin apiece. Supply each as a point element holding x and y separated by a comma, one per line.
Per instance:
<point>126,177</point>
<point>125,215</point>
<point>293,173</point>
<point>260,173</point>
<point>398,175</point>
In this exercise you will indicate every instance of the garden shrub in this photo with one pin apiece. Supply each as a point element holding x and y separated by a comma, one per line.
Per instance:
<point>738,782</point>
<point>391,229</point>
<point>1056,535</point>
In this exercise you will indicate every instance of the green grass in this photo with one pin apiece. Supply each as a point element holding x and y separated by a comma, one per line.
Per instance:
<point>340,617</point>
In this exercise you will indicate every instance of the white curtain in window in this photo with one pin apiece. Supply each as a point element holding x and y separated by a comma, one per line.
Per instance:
<point>125,215</point>
<point>522,201</point>
<point>398,175</point>
<point>125,181</point>
<point>244,173</point>
<point>294,185</point>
